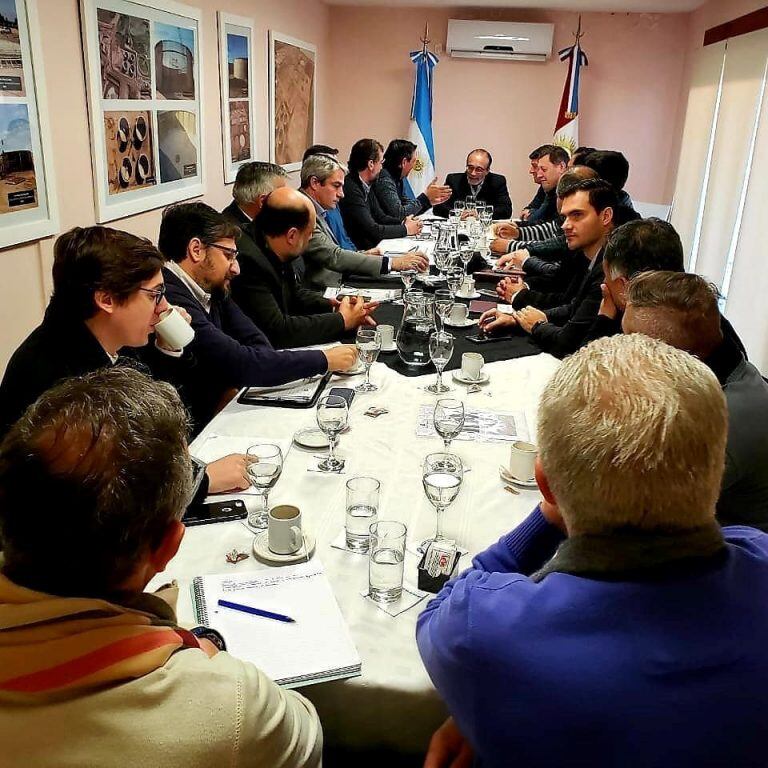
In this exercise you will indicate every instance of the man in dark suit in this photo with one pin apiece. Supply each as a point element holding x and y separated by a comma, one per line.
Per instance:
<point>267,290</point>
<point>364,219</point>
<point>560,322</point>
<point>231,352</point>
<point>479,184</point>
<point>254,181</point>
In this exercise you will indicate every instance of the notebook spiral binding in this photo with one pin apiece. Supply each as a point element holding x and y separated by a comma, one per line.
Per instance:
<point>201,610</point>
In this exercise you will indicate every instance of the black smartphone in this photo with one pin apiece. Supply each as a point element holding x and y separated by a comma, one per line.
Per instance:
<point>345,392</point>
<point>215,512</point>
<point>482,338</point>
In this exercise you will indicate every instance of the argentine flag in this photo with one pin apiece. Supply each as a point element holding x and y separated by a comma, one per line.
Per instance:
<point>421,124</point>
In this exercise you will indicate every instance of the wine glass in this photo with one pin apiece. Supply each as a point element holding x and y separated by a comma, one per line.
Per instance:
<point>368,342</point>
<point>442,475</point>
<point>486,216</point>
<point>454,277</point>
<point>471,206</point>
<point>459,205</point>
<point>408,276</point>
<point>332,416</point>
<point>465,255</point>
<point>448,418</point>
<point>264,464</point>
<point>442,257</point>
<point>440,352</point>
<point>443,304</point>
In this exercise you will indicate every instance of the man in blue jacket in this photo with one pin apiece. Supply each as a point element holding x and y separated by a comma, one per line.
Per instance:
<point>618,625</point>
<point>231,352</point>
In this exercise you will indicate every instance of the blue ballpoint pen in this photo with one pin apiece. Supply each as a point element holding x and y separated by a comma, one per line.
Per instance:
<point>256,611</point>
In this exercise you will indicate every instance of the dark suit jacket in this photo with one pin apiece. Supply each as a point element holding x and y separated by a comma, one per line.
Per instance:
<point>231,352</point>
<point>365,221</point>
<point>493,192</point>
<point>62,347</point>
<point>267,291</point>
<point>570,314</point>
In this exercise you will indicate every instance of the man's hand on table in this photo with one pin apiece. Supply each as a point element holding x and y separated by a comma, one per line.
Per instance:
<point>499,245</point>
<point>448,748</point>
<point>228,474</point>
<point>416,260</point>
<point>493,320</point>
<point>412,225</point>
<point>373,251</point>
<point>506,229</point>
<point>515,260</point>
<point>341,358</point>
<point>528,317</point>
<point>356,312</point>
<point>508,287</point>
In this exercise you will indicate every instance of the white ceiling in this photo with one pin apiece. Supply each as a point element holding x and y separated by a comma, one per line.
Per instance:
<point>619,6</point>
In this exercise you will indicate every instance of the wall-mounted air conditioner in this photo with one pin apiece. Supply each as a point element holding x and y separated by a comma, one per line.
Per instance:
<point>500,40</point>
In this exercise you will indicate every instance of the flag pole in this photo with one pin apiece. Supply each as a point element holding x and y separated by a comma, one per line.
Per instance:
<point>425,40</point>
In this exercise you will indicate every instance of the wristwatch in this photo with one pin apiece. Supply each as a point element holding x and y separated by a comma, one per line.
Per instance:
<point>206,633</point>
<point>536,325</point>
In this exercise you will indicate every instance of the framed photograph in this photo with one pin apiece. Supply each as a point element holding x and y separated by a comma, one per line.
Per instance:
<point>236,63</point>
<point>143,65</point>
<point>292,94</point>
<point>27,201</point>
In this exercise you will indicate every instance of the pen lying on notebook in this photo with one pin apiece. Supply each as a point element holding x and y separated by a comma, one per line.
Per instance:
<point>256,611</point>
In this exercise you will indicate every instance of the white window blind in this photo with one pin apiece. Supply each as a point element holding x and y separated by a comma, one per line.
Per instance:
<point>741,90</point>
<point>696,146</point>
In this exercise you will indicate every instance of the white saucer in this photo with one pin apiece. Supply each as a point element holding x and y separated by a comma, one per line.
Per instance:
<point>484,378</point>
<point>351,372</point>
<point>468,323</point>
<point>475,295</point>
<point>507,478</point>
<point>311,438</point>
<point>264,554</point>
<point>386,350</point>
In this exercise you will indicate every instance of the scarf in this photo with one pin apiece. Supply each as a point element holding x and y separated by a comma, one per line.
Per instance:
<point>50,644</point>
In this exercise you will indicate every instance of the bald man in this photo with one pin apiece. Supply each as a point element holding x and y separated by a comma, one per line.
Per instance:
<point>267,290</point>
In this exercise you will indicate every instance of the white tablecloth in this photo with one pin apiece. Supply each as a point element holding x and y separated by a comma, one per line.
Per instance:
<point>393,704</point>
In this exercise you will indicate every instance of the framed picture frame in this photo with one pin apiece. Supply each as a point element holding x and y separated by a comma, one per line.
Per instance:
<point>28,209</point>
<point>143,64</point>
<point>292,99</point>
<point>236,65</point>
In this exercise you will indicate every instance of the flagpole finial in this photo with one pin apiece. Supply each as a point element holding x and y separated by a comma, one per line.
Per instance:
<point>425,40</point>
<point>579,34</point>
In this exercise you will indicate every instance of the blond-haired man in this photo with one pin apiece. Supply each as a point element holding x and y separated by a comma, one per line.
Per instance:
<point>682,309</point>
<point>639,640</point>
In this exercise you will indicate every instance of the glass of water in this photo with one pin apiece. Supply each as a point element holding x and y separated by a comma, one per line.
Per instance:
<point>440,353</point>
<point>465,254</point>
<point>362,511</point>
<point>443,304</point>
<point>332,417</point>
<point>408,276</point>
<point>454,278</point>
<point>368,342</point>
<point>386,560</point>
<point>442,475</point>
<point>448,418</point>
<point>264,463</point>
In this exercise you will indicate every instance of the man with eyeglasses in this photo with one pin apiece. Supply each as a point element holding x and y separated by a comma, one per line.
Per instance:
<point>230,350</point>
<point>478,183</point>
<point>108,294</point>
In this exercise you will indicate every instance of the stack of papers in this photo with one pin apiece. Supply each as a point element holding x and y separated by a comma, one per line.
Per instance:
<point>479,425</point>
<point>369,294</point>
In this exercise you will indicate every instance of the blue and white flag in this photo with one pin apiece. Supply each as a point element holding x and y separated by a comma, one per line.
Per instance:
<point>566,132</point>
<point>421,123</point>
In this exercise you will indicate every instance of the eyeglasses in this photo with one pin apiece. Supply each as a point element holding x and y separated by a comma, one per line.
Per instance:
<point>157,293</point>
<point>476,169</point>
<point>230,253</point>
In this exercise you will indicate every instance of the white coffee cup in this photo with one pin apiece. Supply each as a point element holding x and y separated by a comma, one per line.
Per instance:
<point>471,365</point>
<point>387,333</point>
<point>468,286</point>
<point>284,530</point>
<point>459,313</point>
<point>173,329</point>
<point>522,460</point>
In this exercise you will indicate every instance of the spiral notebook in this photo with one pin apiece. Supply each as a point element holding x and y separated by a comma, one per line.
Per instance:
<point>316,648</point>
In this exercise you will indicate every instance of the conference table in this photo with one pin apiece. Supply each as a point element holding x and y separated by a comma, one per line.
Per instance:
<point>392,705</point>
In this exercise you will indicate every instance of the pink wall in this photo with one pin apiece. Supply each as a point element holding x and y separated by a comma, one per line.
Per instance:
<point>628,99</point>
<point>27,268</point>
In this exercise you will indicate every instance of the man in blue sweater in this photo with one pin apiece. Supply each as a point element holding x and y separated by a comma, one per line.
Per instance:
<point>618,625</point>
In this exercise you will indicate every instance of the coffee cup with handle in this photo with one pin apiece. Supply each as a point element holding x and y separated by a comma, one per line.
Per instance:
<point>173,329</point>
<point>459,313</point>
<point>284,534</point>
<point>522,460</point>
<point>471,365</point>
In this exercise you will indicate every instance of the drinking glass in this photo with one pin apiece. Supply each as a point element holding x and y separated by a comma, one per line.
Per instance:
<point>465,254</point>
<point>459,205</point>
<point>362,510</point>
<point>448,418</point>
<point>454,277</point>
<point>442,258</point>
<point>471,206</point>
<point>264,464</point>
<point>440,352</point>
<point>368,342</point>
<point>408,276</point>
<point>442,475</point>
<point>385,564</point>
<point>443,304</point>
<point>332,416</point>
<point>454,216</point>
<point>486,216</point>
